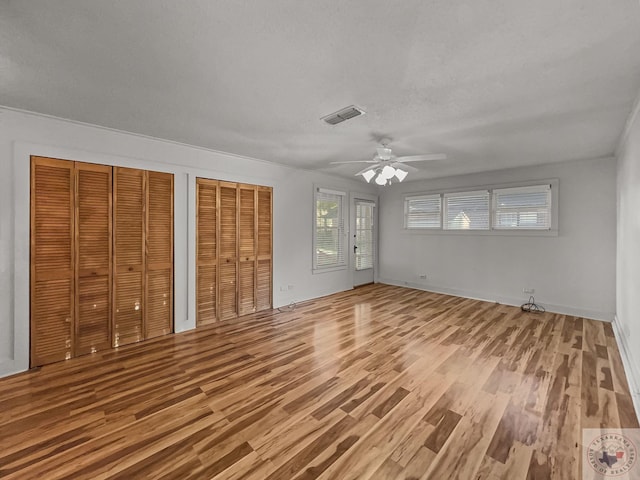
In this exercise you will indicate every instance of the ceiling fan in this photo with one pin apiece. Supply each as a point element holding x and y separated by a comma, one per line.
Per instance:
<point>387,167</point>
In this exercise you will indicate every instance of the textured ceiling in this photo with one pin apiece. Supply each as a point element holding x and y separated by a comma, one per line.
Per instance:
<point>491,83</point>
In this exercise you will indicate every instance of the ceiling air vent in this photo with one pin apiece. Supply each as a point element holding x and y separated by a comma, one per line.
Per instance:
<point>342,115</point>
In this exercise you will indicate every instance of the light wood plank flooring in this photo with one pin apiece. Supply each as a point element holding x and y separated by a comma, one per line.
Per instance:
<point>380,382</point>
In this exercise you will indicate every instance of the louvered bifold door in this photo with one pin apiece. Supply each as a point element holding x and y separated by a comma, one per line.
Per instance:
<point>228,257</point>
<point>52,260</point>
<point>206,251</point>
<point>158,304</point>
<point>264,282</point>
<point>93,258</point>
<point>129,255</point>
<point>247,249</point>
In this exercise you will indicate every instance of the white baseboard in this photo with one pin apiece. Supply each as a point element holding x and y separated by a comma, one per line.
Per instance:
<point>563,309</point>
<point>633,375</point>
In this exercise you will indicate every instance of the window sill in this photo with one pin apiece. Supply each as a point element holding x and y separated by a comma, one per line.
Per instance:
<point>496,233</point>
<point>337,268</point>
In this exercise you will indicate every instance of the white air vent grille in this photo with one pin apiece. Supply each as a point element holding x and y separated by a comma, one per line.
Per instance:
<point>342,115</point>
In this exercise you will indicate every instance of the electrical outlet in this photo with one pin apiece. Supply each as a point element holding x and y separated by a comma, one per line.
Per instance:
<point>422,276</point>
<point>529,291</point>
<point>290,287</point>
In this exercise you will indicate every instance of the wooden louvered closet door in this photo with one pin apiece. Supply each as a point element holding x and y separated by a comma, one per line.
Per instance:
<point>93,258</point>
<point>264,287</point>
<point>228,258</point>
<point>52,260</point>
<point>233,250</point>
<point>206,251</point>
<point>158,304</point>
<point>247,249</point>
<point>129,255</point>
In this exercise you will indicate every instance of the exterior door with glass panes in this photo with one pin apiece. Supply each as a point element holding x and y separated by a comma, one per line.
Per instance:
<point>363,236</point>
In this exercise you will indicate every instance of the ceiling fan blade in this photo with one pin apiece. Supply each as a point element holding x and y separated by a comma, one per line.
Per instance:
<point>422,158</point>
<point>366,169</point>
<point>402,166</point>
<point>355,161</point>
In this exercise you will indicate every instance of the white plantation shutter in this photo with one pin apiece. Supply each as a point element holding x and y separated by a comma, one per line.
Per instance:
<point>329,235</point>
<point>424,211</point>
<point>522,208</point>
<point>466,210</point>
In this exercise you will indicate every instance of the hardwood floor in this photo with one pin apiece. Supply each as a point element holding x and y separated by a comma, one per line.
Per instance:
<point>380,382</point>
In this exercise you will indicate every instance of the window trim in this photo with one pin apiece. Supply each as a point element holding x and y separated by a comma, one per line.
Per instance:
<point>342,229</point>
<point>553,231</point>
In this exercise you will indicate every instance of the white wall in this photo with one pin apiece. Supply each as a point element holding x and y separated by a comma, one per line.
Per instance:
<point>573,272</point>
<point>23,134</point>
<point>627,320</point>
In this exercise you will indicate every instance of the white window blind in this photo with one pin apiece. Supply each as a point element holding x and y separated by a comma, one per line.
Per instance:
<point>466,210</point>
<point>522,208</point>
<point>423,211</point>
<point>364,239</point>
<point>329,235</point>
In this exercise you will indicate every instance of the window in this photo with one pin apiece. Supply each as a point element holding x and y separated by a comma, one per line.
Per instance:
<point>423,211</point>
<point>499,210</point>
<point>466,210</point>
<point>329,234</point>
<point>364,240</point>
<point>522,208</point>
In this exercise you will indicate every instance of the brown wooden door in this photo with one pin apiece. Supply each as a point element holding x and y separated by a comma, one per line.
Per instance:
<point>264,287</point>
<point>129,255</point>
<point>93,257</point>
<point>52,260</point>
<point>158,304</point>
<point>206,251</point>
<point>247,249</point>
<point>228,244</point>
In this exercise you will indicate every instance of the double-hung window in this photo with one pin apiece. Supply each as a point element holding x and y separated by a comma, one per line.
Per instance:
<point>423,211</point>
<point>504,210</point>
<point>522,208</point>
<point>466,210</point>
<point>329,237</point>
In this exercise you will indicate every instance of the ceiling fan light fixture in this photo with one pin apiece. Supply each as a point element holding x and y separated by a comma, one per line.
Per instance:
<point>388,172</point>
<point>369,174</point>
<point>401,174</point>
<point>380,180</point>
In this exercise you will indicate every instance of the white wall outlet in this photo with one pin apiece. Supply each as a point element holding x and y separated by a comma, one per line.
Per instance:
<point>422,276</point>
<point>290,287</point>
<point>529,291</point>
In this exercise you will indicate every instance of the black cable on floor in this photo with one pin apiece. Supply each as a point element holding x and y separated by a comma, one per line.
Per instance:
<point>532,307</point>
